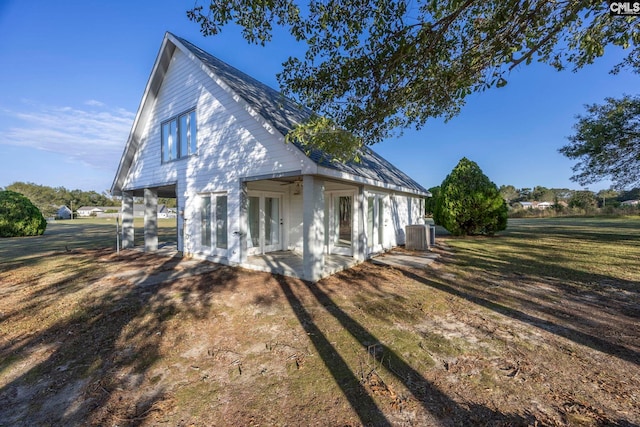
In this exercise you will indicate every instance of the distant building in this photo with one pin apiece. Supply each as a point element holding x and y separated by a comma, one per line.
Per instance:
<point>86,211</point>
<point>114,211</point>
<point>63,213</point>
<point>630,203</point>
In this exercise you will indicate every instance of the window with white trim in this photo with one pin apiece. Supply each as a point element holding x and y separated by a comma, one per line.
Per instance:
<point>179,137</point>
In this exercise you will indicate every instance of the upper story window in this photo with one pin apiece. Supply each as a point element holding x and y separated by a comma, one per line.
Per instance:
<point>179,138</point>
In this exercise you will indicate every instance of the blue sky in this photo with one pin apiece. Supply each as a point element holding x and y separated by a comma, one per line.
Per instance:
<point>73,73</point>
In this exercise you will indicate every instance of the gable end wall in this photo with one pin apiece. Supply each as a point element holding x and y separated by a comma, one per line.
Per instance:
<point>231,143</point>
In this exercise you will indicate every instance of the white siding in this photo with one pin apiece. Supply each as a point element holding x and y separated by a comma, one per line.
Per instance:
<point>405,210</point>
<point>231,143</point>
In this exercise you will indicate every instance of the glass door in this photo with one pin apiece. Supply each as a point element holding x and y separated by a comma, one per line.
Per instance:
<point>205,223</point>
<point>375,223</point>
<point>272,222</point>
<point>253,229</point>
<point>264,216</point>
<point>213,224</point>
<point>341,224</point>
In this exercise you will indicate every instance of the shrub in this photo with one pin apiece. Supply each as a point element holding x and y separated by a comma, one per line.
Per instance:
<point>430,205</point>
<point>469,203</point>
<point>19,217</point>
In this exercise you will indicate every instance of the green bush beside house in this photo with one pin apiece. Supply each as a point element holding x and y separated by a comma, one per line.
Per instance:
<point>469,203</point>
<point>19,217</point>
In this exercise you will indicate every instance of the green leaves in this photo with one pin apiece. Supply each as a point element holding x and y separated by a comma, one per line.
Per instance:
<point>374,67</point>
<point>256,17</point>
<point>607,143</point>
<point>468,203</point>
<point>323,134</point>
<point>19,217</point>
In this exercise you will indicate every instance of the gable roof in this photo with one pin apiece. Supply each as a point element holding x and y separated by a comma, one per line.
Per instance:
<point>280,112</point>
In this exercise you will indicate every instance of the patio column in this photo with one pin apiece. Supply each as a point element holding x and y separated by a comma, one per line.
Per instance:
<point>237,225</point>
<point>150,220</point>
<point>312,228</point>
<point>180,223</point>
<point>127,220</point>
<point>359,245</point>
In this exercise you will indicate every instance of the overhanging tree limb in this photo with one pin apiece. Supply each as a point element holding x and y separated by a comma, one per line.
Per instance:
<point>607,143</point>
<point>374,67</point>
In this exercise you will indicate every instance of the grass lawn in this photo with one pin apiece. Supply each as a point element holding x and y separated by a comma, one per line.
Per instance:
<point>537,326</point>
<point>81,233</point>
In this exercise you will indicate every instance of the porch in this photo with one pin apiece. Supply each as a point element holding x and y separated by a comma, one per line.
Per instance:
<point>290,263</point>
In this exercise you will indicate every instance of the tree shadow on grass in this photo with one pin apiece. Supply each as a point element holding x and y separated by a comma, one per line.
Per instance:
<point>67,236</point>
<point>473,293</point>
<point>526,256</point>
<point>85,363</point>
<point>438,405</point>
<point>361,402</point>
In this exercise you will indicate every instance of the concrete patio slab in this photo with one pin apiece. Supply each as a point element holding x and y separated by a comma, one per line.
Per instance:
<point>405,259</point>
<point>289,263</point>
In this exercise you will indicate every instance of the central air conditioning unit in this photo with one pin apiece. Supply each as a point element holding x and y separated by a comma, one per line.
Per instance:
<point>432,235</point>
<point>416,239</point>
<point>420,237</point>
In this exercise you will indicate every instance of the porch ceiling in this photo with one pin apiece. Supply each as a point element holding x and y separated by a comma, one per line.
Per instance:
<point>165,191</point>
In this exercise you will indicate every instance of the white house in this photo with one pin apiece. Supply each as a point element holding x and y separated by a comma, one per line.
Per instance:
<point>89,210</point>
<point>544,205</point>
<point>63,212</point>
<point>213,138</point>
<point>98,211</point>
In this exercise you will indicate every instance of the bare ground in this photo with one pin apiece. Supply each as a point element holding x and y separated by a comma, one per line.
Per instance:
<point>91,338</point>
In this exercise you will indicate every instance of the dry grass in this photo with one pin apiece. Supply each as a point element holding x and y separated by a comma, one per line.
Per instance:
<point>535,327</point>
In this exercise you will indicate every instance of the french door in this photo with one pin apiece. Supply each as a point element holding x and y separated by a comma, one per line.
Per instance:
<point>341,225</point>
<point>265,218</point>
<point>213,224</point>
<point>375,223</point>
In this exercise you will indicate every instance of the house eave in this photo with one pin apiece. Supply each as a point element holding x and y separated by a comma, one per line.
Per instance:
<point>328,172</point>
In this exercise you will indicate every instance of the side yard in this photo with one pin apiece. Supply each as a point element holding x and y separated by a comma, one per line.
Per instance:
<point>539,326</point>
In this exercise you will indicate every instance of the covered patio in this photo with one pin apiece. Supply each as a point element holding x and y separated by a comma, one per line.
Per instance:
<point>290,263</point>
<point>286,263</point>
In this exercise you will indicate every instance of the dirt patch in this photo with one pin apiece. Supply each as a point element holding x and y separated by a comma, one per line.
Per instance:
<point>91,338</point>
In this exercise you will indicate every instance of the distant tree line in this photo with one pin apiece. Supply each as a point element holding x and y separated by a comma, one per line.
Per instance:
<point>564,201</point>
<point>50,199</point>
<point>564,198</point>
